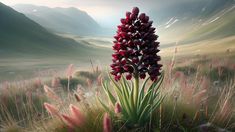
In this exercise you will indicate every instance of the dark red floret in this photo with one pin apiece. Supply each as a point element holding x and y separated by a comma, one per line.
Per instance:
<point>136,48</point>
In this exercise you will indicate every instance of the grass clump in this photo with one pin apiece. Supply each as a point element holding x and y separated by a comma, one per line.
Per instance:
<point>21,106</point>
<point>221,73</point>
<point>73,83</point>
<point>187,70</point>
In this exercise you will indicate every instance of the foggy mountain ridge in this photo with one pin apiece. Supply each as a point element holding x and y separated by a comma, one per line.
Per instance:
<point>61,20</point>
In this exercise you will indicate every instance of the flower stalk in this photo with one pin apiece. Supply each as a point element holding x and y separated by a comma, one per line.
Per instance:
<point>136,90</point>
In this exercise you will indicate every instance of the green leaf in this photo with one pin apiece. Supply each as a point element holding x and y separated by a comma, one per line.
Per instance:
<point>109,94</point>
<point>128,84</point>
<point>124,101</point>
<point>143,102</point>
<point>157,104</point>
<point>124,88</point>
<point>146,103</point>
<point>141,92</point>
<point>128,104</point>
<point>131,101</point>
<point>124,108</point>
<point>144,113</point>
<point>158,82</point>
<point>156,94</point>
<point>105,107</point>
<point>117,87</point>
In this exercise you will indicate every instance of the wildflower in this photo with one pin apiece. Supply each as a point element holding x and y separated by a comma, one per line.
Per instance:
<point>178,74</point>
<point>77,97</point>
<point>38,82</point>
<point>69,121</point>
<point>107,123</point>
<point>5,87</point>
<point>51,94</point>
<point>97,69</point>
<point>117,108</point>
<point>78,116</point>
<point>135,56</point>
<point>52,109</point>
<point>187,89</point>
<point>70,70</point>
<point>69,73</point>
<point>89,83</point>
<point>136,48</point>
<point>76,119</point>
<point>199,96</point>
<point>99,80</point>
<point>55,82</point>
<point>80,92</point>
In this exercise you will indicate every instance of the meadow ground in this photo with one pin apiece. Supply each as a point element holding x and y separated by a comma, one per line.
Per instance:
<point>199,87</point>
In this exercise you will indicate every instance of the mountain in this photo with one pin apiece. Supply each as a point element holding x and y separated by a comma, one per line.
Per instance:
<point>219,25</point>
<point>194,20</point>
<point>20,36</point>
<point>187,10</point>
<point>61,20</point>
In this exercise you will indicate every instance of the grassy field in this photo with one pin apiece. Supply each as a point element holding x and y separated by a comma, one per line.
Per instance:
<point>224,46</point>
<point>62,82</point>
<point>16,67</point>
<point>24,68</point>
<point>199,88</point>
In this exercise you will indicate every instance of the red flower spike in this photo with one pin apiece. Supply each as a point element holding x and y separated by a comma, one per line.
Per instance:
<point>133,17</point>
<point>135,10</point>
<point>117,77</point>
<point>128,76</point>
<point>142,16</point>
<point>123,21</point>
<point>123,62</point>
<point>142,75</point>
<point>136,48</point>
<point>135,60</point>
<point>146,19</point>
<point>128,14</point>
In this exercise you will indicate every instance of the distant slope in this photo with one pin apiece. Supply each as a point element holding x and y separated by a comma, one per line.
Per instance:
<point>195,20</point>
<point>218,26</point>
<point>20,36</point>
<point>191,10</point>
<point>61,20</point>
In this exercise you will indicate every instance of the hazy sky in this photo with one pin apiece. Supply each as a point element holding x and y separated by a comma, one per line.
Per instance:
<point>105,12</point>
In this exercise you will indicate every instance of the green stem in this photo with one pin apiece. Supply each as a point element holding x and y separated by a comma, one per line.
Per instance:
<point>136,90</point>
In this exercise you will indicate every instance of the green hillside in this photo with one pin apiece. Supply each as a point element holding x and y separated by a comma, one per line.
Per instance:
<point>218,26</point>
<point>187,22</point>
<point>62,20</point>
<point>20,36</point>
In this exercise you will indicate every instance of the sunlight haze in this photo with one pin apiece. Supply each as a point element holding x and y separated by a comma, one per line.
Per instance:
<point>106,13</point>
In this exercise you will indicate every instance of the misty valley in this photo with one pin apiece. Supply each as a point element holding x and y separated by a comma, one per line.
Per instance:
<point>157,66</point>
